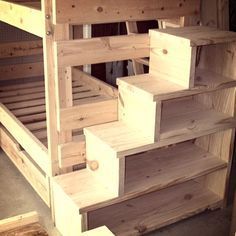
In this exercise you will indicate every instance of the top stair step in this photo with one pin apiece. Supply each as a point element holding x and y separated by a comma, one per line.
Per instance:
<point>199,35</point>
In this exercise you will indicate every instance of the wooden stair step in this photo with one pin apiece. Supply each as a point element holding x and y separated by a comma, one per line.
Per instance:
<point>154,88</point>
<point>144,173</point>
<point>155,210</point>
<point>88,191</point>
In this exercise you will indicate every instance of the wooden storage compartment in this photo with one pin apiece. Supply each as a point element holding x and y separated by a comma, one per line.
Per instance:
<point>197,115</point>
<point>155,210</point>
<point>164,167</point>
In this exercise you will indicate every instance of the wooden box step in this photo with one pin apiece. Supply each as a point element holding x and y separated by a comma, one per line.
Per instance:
<point>154,88</point>
<point>155,210</point>
<point>190,113</point>
<point>145,172</point>
<point>176,53</point>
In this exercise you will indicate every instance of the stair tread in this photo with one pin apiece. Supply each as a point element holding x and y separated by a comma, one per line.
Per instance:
<point>88,190</point>
<point>154,88</point>
<point>149,212</point>
<point>120,137</point>
<point>199,35</point>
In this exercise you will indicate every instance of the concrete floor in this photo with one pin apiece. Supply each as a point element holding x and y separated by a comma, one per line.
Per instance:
<point>17,197</point>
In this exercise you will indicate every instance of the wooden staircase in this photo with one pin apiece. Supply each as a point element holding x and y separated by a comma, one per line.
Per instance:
<point>167,156</point>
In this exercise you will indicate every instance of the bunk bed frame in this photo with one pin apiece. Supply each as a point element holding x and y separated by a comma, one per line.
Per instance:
<point>42,121</point>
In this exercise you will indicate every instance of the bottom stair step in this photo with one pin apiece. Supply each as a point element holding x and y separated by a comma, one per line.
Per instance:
<point>155,210</point>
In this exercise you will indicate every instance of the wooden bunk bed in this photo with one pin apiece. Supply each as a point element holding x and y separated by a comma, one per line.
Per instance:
<point>42,120</point>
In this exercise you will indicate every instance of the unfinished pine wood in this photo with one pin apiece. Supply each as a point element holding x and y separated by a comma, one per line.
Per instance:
<point>26,224</point>
<point>25,165</point>
<point>82,12</point>
<point>22,17</point>
<point>155,88</point>
<point>192,119</point>
<point>164,167</point>
<point>19,49</point>
<point>101,231</point>
<point>104,49</point>
<point>155,210</point>
<point>20,71</point>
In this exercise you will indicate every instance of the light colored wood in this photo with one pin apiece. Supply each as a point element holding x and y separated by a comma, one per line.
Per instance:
<point>19,49</point>
<point>104,165</point>
<point>88,192</point>
<point>72,153</point>
<point>132,28</point>
<point>98,50</point>
<point>23,162</point>
<point>89,114</point>
<point>154,88</point>
<point>155,210</point>
<point>101,231</point>
<point>22,17</point>
<point>133,110</point>
<point>31,144</point>
<point>97,12</point>
<point>18,221</point>
<point>19,71</point>
<point>192,119</point>
<point>94,83</point>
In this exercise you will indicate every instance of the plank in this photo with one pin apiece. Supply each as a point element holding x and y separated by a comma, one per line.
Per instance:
<point>155,88</point>
<point>155,210</point>
<point>25,138</point>
<point>165,167</point>
<point>104,49</point>
<point>199,35</point>
<point>82,12</point>
<point>20,71</point>
<point>20,49</point>
<point>22,17</point>
<point>88,114</point>
<point>18,221</point>
<point>192,119</point>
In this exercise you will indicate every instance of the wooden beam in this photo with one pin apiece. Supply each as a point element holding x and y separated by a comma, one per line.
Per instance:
<point>20,71</point>
<point>104,49</point>
<point>18,221</point>
<point>22,17</point>
<point>25,138</point>
<point>20,49</point>
<point>88,114</point>
<point>72,153</point>
<point>96,11</point>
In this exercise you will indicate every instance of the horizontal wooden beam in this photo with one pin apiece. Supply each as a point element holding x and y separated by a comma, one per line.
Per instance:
<point>72,153</point>
<point>25,138</point>
<point>97,11</point>
<point>20,49</point>
<point>23,17</point>
<point>20,71</point>
<point>85,115</point>
<point>104,49</point>
<point>94,83</point>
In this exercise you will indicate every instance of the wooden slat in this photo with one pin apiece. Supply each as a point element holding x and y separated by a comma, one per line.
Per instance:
<point>105,49</point>
<point>20,71</point>
<point>26,139</point>
<point>34,175</point>
<point>22,17</point>
<point>18,221</point>
<point>88,114</point>
<point>96,11</point>
<point>20,49</point>
<point>72,153</point>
